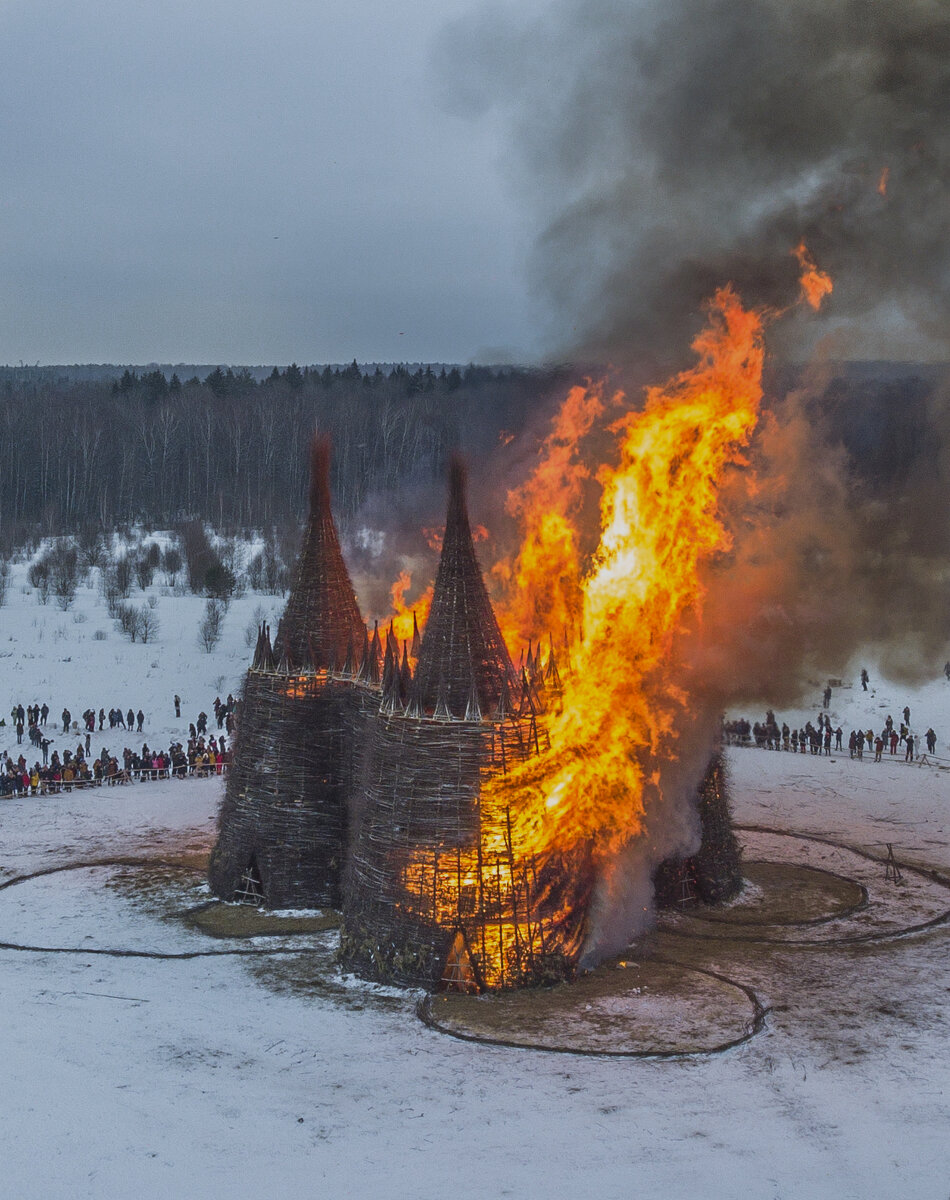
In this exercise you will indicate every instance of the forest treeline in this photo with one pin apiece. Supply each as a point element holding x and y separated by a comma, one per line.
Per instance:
<point>231,449</point>
<point>97,452</point>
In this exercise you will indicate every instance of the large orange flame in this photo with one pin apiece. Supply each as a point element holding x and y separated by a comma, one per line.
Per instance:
<point>402,613</point>
<point>621,724</point>
<point>622,708</point>
<point>542,588</point>
<point>815,284</point>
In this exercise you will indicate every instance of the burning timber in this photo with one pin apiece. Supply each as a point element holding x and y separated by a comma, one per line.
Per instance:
<point>360,782</point>
<point>436,892</point>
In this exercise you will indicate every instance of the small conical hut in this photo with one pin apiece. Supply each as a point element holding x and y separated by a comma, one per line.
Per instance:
<point>428,901</point>
<point>713,874</point>
<point>282,830</point>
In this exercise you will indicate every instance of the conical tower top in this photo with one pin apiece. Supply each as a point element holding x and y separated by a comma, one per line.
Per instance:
<point>463,657</point>
<point>322,616</point>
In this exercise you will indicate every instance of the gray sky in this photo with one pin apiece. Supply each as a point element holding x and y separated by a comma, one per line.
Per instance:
<point>259,181</point>
<point>201,180</point>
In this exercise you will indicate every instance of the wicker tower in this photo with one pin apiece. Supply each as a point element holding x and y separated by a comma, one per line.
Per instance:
<point>421,781</point>
<point>282,829</point>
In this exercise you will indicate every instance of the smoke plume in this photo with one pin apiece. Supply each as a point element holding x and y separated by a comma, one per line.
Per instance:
<point>669,147</point>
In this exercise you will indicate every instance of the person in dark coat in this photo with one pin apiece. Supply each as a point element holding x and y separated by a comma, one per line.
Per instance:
<point>931,741</point>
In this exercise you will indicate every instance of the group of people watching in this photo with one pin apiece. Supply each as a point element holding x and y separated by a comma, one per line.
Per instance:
<point>817,739</point>
<point>202,755</point>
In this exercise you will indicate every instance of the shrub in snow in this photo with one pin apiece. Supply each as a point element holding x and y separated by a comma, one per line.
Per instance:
<point>209,630</point>
<point>138,624</point>
<point>122,575</point>
<point>38,575</point>
<point>144,572</point>
<point>147,624</point>
<point>171,565</point>
<point>266,572</point>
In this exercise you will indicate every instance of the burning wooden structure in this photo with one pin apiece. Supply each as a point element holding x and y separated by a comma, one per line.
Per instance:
<point>436,891</point>
<point>362,783</point>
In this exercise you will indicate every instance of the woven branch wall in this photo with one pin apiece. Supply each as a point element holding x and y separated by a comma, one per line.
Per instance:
<point>286,804</point>
<point>432,882</point>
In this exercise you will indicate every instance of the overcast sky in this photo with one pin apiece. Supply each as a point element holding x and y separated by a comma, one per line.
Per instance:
<point>266,181</point>
<point>245,181</point>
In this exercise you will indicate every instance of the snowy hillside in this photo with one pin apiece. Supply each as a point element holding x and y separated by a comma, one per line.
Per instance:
<point>144,1059</point>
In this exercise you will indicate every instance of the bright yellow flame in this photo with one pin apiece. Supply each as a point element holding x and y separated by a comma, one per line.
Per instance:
<point>402,614</point>
<point>621,711</point>
<point>620,707</point>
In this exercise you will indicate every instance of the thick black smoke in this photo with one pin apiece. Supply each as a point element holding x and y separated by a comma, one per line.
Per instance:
<point>670,146</point>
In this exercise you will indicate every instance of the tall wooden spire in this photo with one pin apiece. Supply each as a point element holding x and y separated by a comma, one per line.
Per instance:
<point>463,656</point>
<point>322,618</point>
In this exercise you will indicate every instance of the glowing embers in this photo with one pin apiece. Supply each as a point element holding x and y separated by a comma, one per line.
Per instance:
<point>301,687</point>
<point>513,923</point>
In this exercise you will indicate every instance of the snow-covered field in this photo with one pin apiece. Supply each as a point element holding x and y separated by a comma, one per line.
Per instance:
<point>208,1076</point>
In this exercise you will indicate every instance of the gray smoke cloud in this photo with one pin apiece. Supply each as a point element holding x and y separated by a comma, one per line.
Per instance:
<point>667,147</point>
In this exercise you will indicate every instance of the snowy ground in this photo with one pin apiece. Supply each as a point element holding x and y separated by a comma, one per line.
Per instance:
<point>209,1076</point>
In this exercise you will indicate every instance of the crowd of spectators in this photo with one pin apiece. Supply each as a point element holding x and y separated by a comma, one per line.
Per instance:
<point>203,754</point>
<point>818,738</point>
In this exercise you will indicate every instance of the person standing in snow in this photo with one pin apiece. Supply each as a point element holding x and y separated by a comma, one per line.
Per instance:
<point>864,678</point>
<point>909,753</point>
<point>906,714</point>
<point>931,741</point>
<point>67,717</point>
